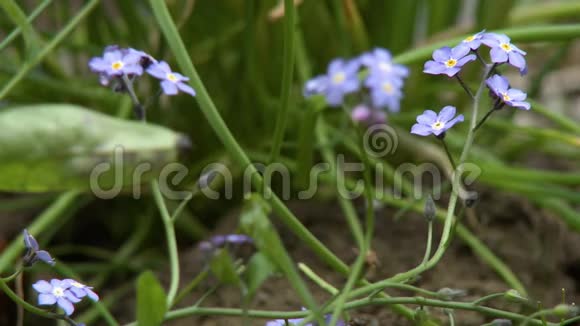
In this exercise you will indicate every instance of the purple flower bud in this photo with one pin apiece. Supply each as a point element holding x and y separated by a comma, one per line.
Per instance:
<point>33,254</point>
<point>369,116</point>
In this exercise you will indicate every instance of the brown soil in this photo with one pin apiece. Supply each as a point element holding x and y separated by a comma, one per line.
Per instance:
<point>536,246</point>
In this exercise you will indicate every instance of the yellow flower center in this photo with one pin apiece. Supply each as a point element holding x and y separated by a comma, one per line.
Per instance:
<point>338,78</point>
<point>58,292</point>
<point>450,63</point>
<point>469,38</point>
<point>117,65</point>
<point>505,97</point>
<point>171,77</point>
<point>506,47</point>
<point>438,125</point>
<point>388,88</point>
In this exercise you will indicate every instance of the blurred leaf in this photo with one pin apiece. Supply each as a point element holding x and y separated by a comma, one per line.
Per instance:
<point>258,270</point>
<point>442,14</point>
<point>492,14</point>
<point>151,306</point>
<point>56,147</point>
<point>223,267</point>
<point>254,222</point>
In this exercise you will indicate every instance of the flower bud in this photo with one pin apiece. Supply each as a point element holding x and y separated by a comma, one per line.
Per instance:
<point>430,210</point>
<point>565,310</point>
<point>471,199</point>
<point>501,322</point>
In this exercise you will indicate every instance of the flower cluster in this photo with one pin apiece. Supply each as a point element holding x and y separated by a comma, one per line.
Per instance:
<point>64,293</point>
<point>118,63</point>
<point>382,84</point>
<point>449,61</point>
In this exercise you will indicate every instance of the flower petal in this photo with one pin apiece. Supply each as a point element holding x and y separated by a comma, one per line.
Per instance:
<point>498,55</point>
<point>421,130</point>
<point>66,305</point>
<point>516,94</point>
<point>45,257</point>
<point>186,88</point>
<point>517,60</point>
<point>428,117</point>
<point>451,123</point>
<point>434,68</point>
<point>447,113</point>
<point>45,299</point>
<point>42,286</point>
<point>169,88</point>
<point>459,52</point>
<point>442,54</point>
<point>91,294</point>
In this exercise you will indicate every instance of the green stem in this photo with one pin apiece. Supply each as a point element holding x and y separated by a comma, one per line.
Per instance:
<point>449,156</point>
<point>47,218</point>
<point>449,219</point>
<point>35,13</point>
<point>356,304</point>
<point>429,242</point>
<point>192,285</point>
<point>171,242</point>
<point>15,13</point>
<point>317,279</point>
<point>216,122</point>
<point>65,31</point>
<point>287,77</point>
<point>488,297</point>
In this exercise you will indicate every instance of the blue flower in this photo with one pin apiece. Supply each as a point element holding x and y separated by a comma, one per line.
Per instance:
<point>380,62</point>
<point>341,79</point>
<point>448,60</point>
<point>171,82</point>
<point>315,86</point>
<point>385,92</point>
<point>33,254</point>
<point>473,42</point>
<point>502,51</point>
<point>500,89</point>
<point>437,124</point>
<point>116,62</point>
<point>80,290</point>
<point>56,292</point>
<point>219,241</point>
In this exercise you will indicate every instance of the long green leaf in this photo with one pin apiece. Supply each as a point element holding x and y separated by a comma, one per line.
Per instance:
<point>56,147</point>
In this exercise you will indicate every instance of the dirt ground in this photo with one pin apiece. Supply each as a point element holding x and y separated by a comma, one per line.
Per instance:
<point>536,246</point>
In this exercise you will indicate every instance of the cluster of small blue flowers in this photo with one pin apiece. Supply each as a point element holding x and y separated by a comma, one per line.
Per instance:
<point>64,293</point>
<point>117,62</point>
<point>450,61</point>
<point>384,82</point>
